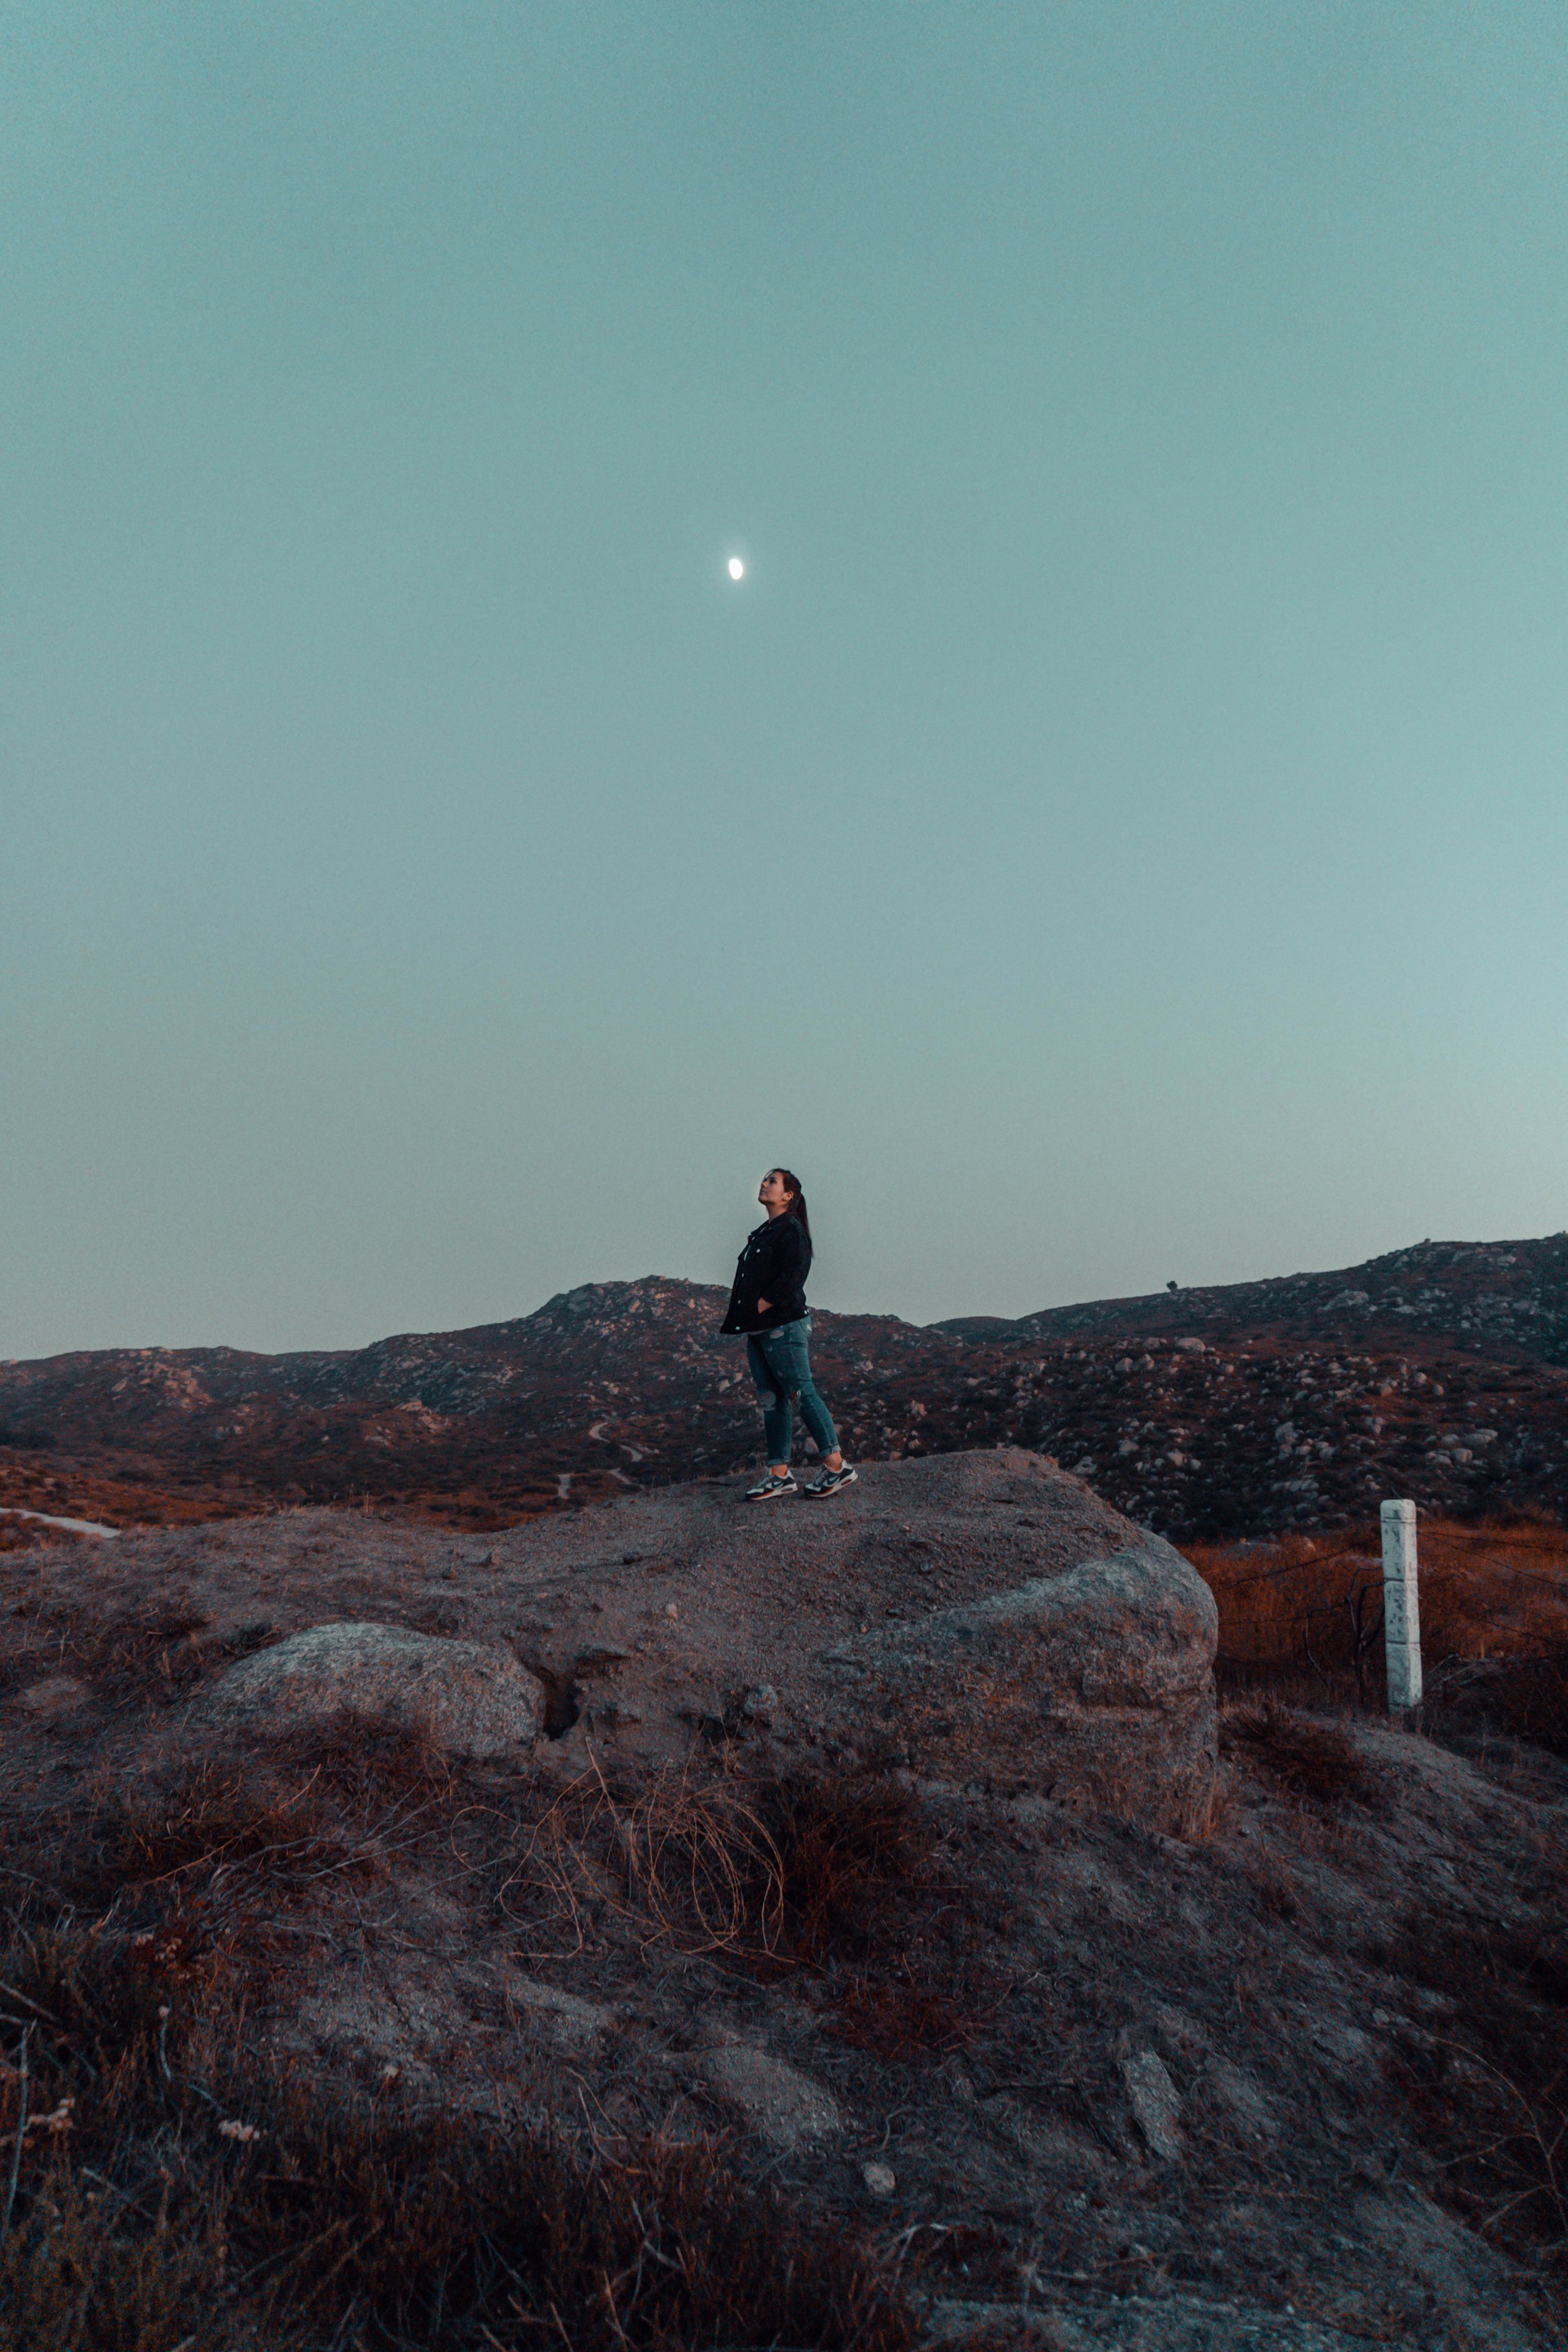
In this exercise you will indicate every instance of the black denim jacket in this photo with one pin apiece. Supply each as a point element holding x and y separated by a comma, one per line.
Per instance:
<point>772,1266</point>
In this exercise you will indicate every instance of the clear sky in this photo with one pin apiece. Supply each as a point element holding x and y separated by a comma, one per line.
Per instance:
<point>1117,830</point>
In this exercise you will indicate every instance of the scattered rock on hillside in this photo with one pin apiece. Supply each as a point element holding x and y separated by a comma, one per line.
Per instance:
<point>1303,1969</point>
<point>57,1695</point>
<point>1155,2102</point>
<point>1172,1399</point>
<point>781,2106</point>
<point>471,1697</point>
<point>972,1618</point>
<point>564,2020</point>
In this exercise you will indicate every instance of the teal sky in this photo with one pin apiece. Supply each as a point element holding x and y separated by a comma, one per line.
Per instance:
<point>1116,831</point>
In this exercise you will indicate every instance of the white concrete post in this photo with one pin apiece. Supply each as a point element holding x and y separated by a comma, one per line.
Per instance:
<point>1401,1607</point>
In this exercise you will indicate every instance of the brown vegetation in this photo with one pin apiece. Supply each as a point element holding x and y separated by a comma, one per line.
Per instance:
<point>172,2187</point>
<point>1303,1618</point>
<point>1316,1760</point>
<point>271,2083</point>
<point>144,1655</point>
<point>119,1500</point>
<point>848,1846</point>
<point>772,1872</point>
<point>1273,1406</point>
<point>1490,2089</point>
<point>168,2191</point>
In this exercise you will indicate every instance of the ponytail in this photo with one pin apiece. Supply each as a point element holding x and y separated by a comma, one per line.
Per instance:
<point>798,1200</point>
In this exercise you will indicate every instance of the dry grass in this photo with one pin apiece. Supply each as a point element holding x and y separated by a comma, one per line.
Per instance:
<point>770,1874</point>
<point>1303,1617</point>
<point>777,1872</point>
<point>1313,1761</point>
<point>839,1877</point>
<point>1490,2083</point>
<point>850,1847</point>
<point>901,2021</point>
<point>28,1483</point>
<point>206,1870</point>
<point>683,1856</point>
<point>375,1770</point>
<point>28,1535</point>
<point>208,1818</point>
<point>1483,2064</point>
<point>169,2191</point>
<point>139,1658</point>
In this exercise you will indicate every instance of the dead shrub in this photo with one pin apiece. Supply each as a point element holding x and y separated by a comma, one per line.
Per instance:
<point>142,1658</point>
<point>209,1874</point>
<point>848,1847</point>
<point>376,1767</point>
<point>436,2233</point>
<point>1521,1699</point>
<point>188,2197</point>
<point>145,1658</point>
<point>1489,2085</point>
<point>681,1854</point>
<point>777,1872</point>
<point>214,1820</point>
<point>90,2010</point>
<point>82,2283</point>
<point>1314,1760</point>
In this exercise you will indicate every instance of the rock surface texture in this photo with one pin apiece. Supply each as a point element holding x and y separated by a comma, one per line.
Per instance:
<point>473,1698</point>
<point>972,1617</point>
<point>781,2105</point>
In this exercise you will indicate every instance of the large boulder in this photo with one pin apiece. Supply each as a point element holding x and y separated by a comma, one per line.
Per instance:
<point>972,1616</point>
<point>1096,1681</point>
<point>472,1699</point>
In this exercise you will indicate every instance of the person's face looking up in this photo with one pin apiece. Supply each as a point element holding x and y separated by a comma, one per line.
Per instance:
<point>774,1193</point>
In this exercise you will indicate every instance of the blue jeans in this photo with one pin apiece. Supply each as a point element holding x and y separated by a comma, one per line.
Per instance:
<point>779,1361</point>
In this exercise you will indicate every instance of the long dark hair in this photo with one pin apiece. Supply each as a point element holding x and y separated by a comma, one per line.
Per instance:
<point>797,1200</point>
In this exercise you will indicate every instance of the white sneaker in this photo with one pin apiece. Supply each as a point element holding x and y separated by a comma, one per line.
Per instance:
<point>767,1487</point>
<point>832,1480</point>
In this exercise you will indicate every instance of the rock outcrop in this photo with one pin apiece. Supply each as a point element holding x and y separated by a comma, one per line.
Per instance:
<point>1094,1682</point>
<point>784,2107</point>
<point>679,1927</point>
<point>968,1618</point>
<point>972,1617</point>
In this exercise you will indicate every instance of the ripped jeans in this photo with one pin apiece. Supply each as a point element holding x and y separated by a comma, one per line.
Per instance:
<point>780,1362</point>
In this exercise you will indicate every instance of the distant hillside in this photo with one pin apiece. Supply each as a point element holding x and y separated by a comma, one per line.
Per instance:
<point>1500,1297</point>
<point>1438,1372</point>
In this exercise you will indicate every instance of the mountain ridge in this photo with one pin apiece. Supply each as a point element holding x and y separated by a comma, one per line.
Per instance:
<point>612,1384</point>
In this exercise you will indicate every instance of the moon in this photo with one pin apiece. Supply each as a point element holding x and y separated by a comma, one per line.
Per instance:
<point>737,569</point>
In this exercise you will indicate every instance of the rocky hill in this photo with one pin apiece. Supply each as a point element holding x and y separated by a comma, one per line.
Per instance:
<point>1500,1296</point>
<point>1439,1371</point>
<point>841,1910</point>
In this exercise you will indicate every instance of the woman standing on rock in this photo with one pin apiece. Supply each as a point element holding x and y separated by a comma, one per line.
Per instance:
<point>768,1304</point>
